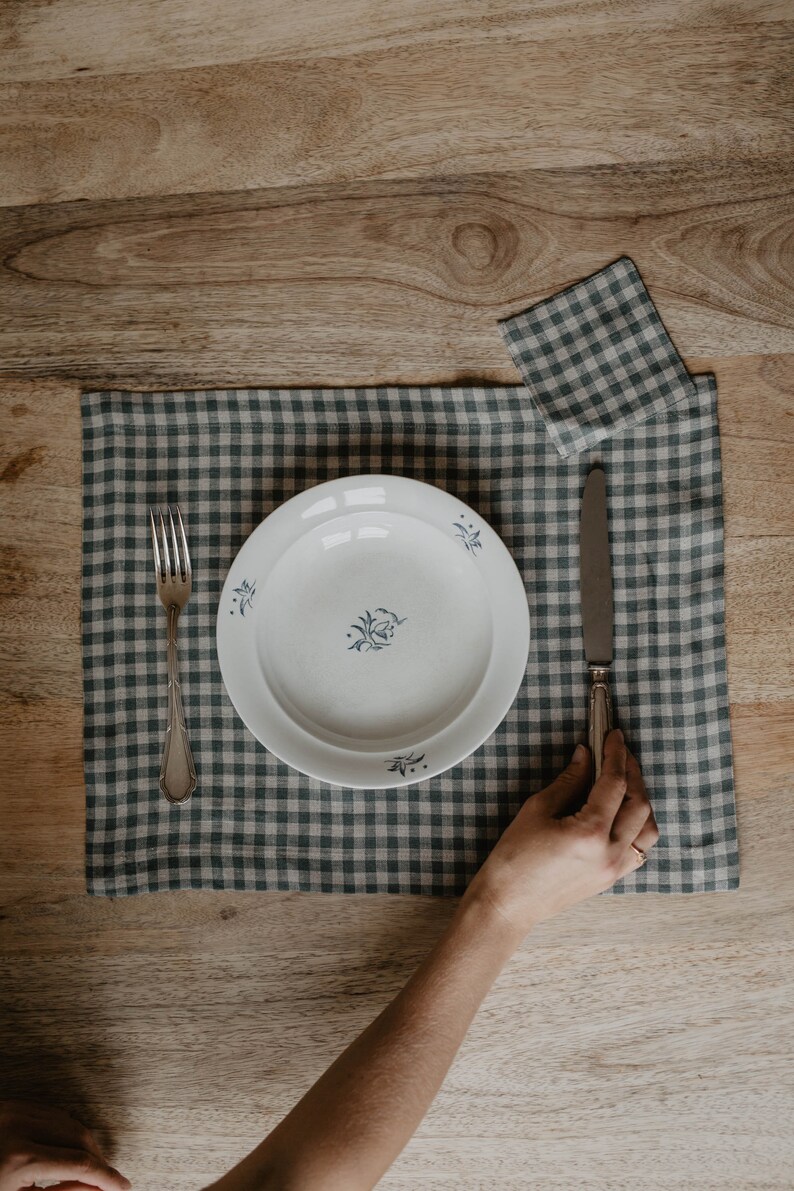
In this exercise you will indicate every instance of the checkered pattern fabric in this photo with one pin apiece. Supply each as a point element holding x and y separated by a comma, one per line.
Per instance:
<point>596,358</point>
<point>229,458</point>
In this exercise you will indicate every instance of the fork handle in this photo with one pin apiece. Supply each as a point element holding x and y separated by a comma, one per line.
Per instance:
<point>177,771</point>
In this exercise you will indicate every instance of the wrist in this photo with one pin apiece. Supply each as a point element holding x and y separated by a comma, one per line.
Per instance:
<point>479,912</point>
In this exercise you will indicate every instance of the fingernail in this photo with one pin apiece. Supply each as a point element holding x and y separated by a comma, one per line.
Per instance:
<point>619,735</point>
<point>579,754</point>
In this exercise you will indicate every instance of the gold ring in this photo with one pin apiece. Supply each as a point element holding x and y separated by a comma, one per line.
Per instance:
<point>640,854</point>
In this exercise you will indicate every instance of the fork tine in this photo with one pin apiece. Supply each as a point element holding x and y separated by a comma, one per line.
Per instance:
<point>174,545</point>
<point>158,566</point>
<point>185,551</point>
<point>164,539</point>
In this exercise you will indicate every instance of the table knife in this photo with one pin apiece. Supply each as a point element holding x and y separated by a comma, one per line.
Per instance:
<point>595,583</point>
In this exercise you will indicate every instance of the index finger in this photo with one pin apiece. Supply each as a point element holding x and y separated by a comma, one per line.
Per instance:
<point>72,1186</point>
<point>607,794</point>
<point>51,1163</point>
<point>635,814</point>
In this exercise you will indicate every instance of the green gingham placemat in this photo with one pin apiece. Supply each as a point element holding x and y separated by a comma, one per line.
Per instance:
<point>229,458</point>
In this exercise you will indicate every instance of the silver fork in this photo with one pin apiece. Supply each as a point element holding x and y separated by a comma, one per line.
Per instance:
<point>174,583</point>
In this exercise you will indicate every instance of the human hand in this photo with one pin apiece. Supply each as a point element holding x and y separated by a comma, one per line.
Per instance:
<point>561,849</point>
<point>39,1144</point>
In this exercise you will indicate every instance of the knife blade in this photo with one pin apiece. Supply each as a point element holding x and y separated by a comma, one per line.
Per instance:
<point>595,585</point>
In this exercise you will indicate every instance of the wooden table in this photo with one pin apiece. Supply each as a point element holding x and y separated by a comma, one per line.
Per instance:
<point>198,193</point>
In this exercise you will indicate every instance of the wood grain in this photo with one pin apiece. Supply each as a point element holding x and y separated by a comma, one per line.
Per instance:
<point>39,40</point>
<point>365,283</point>
<point>668,93</point>
<point>354,193</point>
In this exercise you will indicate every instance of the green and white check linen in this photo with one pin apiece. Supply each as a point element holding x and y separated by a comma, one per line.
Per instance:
<point>597,358</point>
<point>229,458</point>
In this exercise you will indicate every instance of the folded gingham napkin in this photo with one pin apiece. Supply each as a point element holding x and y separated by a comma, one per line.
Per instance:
<point>230,457</point>
<point>596,358</point>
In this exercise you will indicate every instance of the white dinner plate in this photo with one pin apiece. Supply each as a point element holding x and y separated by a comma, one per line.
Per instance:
<point>373,631</point>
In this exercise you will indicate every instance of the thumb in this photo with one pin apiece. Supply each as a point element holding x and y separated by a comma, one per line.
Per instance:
<point>569,790</point>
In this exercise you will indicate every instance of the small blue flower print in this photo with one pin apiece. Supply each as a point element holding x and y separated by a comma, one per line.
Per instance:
<point>468,535</point>
<point>376,629</point>
<point>246,591</point>
<point>406,761</point>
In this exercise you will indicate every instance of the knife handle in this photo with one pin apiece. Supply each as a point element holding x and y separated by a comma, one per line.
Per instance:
<point>600,716</point>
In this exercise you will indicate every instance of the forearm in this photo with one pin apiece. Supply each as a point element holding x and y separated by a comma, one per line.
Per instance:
<point>349,1127</point>
<point>563,846</point>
